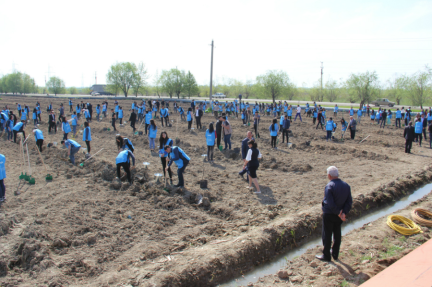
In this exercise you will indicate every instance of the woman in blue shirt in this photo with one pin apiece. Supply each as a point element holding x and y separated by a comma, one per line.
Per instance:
<point>164,140</point>
<point>210,140</point>
<point>274,128</point>
<point>66,128</point>
<point>38,138</point>
<point>87,136</point>
<point>35,119</point>
<point>418,128</point>
<point>152,135</point>
<point>78,110</point>
<point>189,118</point>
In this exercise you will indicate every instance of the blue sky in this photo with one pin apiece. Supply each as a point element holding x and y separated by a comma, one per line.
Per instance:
<point>73,40</point>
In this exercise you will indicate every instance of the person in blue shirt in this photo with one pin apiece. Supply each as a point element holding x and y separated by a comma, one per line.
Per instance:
<point>38,138</point>
<point>87,115</point>
<point>189,118</point>
<point>4,116</point>
<point>70,105</point>
<point>66,128</point>
<point>429,117</point>
<point>87,136</point>
<point>35,118</point>
<point>120,115</point>
<point>73,147</point>
<point>9,127</point>
<point>19,109</point>
<point>359,114</point>
<point>18,128</point>
<point>181,159</point>
<point>335,111</point>
<point>398,118</point>
<point>285,128</point>
<point>182,113</point>
<point>164,140</point>
<point>164,115</point>
<point>289,113</point>
<point>78,110</point>
<point>329,128</point>
<point>104,109</point>
<point>351,112</point>
<point>2,178</point>
<point>98,111</point>
<point>152,135</point>
<point>148,118</point>
<point>210,140</point>
<point>274,129</point>
<point>123,160</point>
<point>418,128</point>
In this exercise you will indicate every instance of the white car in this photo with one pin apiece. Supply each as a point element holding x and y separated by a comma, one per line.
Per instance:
<point>219,96</point>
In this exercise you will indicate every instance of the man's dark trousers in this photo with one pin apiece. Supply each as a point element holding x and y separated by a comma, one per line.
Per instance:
<point>285,133</point>
<point>180,172</point>
<point>218,139</point>
<point>331,226</point>
<point>408,145</point>
<point>352,133</point>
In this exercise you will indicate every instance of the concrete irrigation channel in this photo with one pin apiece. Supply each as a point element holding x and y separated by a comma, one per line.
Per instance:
<point>281,261</point>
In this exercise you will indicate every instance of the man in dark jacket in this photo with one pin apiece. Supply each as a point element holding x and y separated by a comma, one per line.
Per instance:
<point>285,129</point>
<point>132,119</point>
<point>52,122</point>
<point>219,129</point>
<point>425,125</point>
<point>193,105</point>
<point>336,204</point>
<point>352,127</point>
<point>244,151</point>
<point>409,137</point>
<point>383,119</point>
<point>198,115</point>
<point>90,108</point>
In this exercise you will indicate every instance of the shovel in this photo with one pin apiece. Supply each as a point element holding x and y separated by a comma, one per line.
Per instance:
<point>82,164</point>
<point>203,183</point>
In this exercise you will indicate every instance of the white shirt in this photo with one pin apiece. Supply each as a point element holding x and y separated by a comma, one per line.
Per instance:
<point>249,155</point>
<point>298,110</point>
<point>197,113</point>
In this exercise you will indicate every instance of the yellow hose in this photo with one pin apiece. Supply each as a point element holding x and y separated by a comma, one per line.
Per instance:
<point>412,227</point>
<point>415,215</point>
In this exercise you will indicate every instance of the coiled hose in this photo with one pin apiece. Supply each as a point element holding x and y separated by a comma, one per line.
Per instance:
<point>418,219</point>
<point>412,227</point>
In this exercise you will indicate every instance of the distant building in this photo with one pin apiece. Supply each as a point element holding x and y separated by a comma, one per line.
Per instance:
<point>101,89</point>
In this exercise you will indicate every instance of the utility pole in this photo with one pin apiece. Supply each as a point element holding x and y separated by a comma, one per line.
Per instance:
<point>211,72</point>
<point>322,71</point>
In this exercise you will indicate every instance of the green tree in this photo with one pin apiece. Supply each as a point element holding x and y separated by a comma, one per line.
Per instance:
<point>122,76</point>
<point>140,80</point>
<point>28,85</point>
<point>249,89</point>
<point>56,85</point>
<point>273,83</point>
<point>172,82</point>
<point>157,84</point>
<point>397,88</point>
<point>190,85</point>
<point>419,86</point>
<point>363,86</point>
<point>331,90</point>
<point>14,83</point>
<point>73,91</point>
<point>292,91</point>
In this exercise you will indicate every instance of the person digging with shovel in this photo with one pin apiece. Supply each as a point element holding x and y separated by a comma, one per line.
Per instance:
<point>164,140</point>
<point>123,160</point>
<point>181,159</point>
<point>73,147</point>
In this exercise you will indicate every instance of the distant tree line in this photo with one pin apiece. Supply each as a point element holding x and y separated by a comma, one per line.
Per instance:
<point>129,78</point>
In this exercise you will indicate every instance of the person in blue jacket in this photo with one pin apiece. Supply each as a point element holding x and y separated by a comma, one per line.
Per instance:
<point>87,136</point>
<point>182,113</point>
<point>98,111</point>
<point>274,129</point>
<point>244,117</point>
<point>148,118</point>
<point>66,128</point>
<point>177,155</point>
<point>152,135</point>
<point>9,129</point>
<point>351,112</point>
<point>38,138</point>
<point>359,114</point>
<point>120,115</point>
<point>210,140</point>
<point>398,118</point>
<point>189,118</point>
<point>335,111</point>
<point>124,143</point>
<point>87,115</point>
<point>329,128</point>
<point>35,118</point>
<point>164,115</point>
<point>116,110</point>
<point>314,115</point>
<point>123,160</point>
<point>4,117</point>
<point>2,177</point>
<point>73,147</point>
<point>78,110</point>
<point>18,128</point>
<point>418,128</point>
<point>164,140</point>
